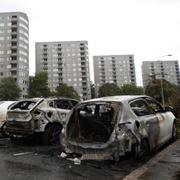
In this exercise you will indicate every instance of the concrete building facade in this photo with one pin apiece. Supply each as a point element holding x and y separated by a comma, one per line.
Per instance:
<point>118,69</point>
<point>66,62</point>
<point>168,70</point>
<point>14,48</point>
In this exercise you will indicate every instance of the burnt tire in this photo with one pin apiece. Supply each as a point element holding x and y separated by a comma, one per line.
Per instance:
<point>135,151</point>
<point>142,152</point>
<point>3,131</point>
<point>174,132</point>
<point>51,135</point>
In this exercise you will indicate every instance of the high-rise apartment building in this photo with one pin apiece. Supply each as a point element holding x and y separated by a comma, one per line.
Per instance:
<point>66,62</point>
<point>168,70</point>
<point>118,69</point>
<point>14,48</point>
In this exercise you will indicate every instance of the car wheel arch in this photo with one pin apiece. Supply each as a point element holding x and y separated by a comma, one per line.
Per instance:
<point>49,129</point>
<point>137,148</point>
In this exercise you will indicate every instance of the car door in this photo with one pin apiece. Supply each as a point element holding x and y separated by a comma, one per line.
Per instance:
<point>165,123</point>
<point>147,120</point>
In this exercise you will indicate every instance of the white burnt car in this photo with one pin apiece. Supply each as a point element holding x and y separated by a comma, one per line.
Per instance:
<point>110,127</point>
<point>4,105</point>
<point>39,116</point>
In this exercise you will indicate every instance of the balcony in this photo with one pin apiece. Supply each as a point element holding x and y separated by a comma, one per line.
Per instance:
<point>13,47</point>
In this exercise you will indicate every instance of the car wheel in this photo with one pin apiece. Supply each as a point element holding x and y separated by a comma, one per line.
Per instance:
<point>51,135</point>
<point>141,152</point>
<point>3,131</point>
<point>174,132</point>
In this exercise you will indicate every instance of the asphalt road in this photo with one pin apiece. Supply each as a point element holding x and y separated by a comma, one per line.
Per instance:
<point>19,161</point>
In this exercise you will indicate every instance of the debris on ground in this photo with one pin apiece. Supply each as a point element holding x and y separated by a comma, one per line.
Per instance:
<point>75,160</point>
<point>22,153</point>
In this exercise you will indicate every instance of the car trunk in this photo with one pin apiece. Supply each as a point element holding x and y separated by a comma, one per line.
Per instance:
<point>21,110</point>
<point>92,122</point>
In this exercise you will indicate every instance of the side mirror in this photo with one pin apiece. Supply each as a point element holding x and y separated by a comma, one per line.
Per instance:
<point>168,108</point>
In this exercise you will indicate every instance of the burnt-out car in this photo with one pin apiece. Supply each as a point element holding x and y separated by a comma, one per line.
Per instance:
<point>38,116</point>
<point>110,127</point>
<point>4,105</point>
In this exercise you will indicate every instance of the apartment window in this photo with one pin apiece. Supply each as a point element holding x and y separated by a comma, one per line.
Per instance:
<point>14,36</point>
<point>14,58</point>
<point>83,63</point>
<point>14,44</point>
<point>82,49</point>
<point>14,23</point>
<point>13,72</point>
<point>14,29</point>
<point>13,65</point>
<point>84,84</point>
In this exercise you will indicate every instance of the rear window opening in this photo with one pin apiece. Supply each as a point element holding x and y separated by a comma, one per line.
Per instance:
<point>24,105</point>
<point>92,122</point>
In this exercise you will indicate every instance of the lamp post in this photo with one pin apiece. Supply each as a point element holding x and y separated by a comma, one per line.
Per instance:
<point>162,89</point>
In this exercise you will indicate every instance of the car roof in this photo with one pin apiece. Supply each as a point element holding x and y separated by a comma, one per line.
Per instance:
<point>122,98</point>
<point>49,98</point>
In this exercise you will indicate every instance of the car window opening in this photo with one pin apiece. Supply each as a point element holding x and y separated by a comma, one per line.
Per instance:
<point>24,105</point>
<point>93,122</point>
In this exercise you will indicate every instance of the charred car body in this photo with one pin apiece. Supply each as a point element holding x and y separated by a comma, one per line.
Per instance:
<point>110,127</point>
<point>4,105</point>
<point>39,116</point>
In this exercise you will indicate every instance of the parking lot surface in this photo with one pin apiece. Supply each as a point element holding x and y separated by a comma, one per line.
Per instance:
<point>21,161</point>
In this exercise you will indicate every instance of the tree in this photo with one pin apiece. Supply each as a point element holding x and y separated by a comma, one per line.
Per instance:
<point>38,85</point>
<point>9,90</point>
<point>66,91</point>
<point>129,89</point>
<point>109,89</point>
<point>155,87</point>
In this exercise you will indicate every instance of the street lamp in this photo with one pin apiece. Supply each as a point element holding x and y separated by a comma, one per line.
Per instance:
<point>162,74</point>
<point>164,56</point>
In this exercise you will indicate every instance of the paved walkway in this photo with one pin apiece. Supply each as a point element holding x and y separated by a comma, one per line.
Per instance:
<point>164,166</point>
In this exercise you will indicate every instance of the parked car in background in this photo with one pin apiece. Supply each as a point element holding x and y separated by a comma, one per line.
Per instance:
<point>3,113</point>
<point>39,116</point>
<point>110,127</point>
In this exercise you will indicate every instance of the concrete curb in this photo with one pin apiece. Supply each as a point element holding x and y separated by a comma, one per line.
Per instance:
<point>136,174</point>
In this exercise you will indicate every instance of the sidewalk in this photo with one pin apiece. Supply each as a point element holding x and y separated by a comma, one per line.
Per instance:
<point>164,166</point>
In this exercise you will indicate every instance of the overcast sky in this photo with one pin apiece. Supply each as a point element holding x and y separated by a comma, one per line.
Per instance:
<point>148,29</point>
